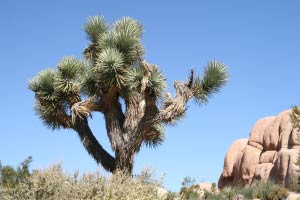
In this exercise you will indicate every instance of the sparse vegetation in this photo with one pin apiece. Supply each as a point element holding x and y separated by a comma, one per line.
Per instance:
<point>213,187</point>
<point>187,190</point>
<point>10,177</point>
<point>53,183</point>
<point>259,190</point>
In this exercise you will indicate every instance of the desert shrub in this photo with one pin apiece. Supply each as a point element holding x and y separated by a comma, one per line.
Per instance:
<point>171,196</point>
<point>188,194</point>
<point>277,192</point>
<point>228,193</point>
<point>188,189</point>
<point>53,183</point>
<point>295,184</point>
<point>188,182</point>
<point>9,177</point>
<point>213,187</point>
<point>267,191</point>
<point>258,190</point>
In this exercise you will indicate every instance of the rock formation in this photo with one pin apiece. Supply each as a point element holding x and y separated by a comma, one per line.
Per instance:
<point>269,154</point>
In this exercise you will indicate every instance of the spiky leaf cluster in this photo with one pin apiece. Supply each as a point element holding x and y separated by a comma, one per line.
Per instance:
<point>156,81</point>
<point>95,27</point>
<point>215,76</point>
<point>48,100</point>
<point>69,71</point>
<point>56,91</point>
<point>116,52</point>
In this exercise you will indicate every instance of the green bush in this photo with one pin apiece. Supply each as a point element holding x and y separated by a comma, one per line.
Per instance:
<point>259,190</point>
<point>188,193</point>
<point>53,183</point>
<point>213,187</point>
<point>277,193</point>
<point>228,193</point>
<point>170,196</point>
<point>188,189</point>
<point>9,177</point>
<point>268,191</point>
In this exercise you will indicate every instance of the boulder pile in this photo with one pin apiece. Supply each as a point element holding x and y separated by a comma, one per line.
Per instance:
<point>270,153</point>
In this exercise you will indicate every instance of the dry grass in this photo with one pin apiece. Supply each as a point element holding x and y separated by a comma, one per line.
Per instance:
<point>55,184</point>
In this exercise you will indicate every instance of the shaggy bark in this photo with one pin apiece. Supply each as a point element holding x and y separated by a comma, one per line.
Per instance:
<point>124,159</point>
<point>127,131</point>
<point>92,145</point>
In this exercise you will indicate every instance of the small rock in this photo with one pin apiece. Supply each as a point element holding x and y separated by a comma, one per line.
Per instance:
<point>161,192</point>
<point>293,196</point>
<point>239,197</point>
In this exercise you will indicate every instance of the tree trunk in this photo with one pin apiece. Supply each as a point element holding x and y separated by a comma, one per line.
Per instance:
<point>92,145</point>
<point>124,160</point>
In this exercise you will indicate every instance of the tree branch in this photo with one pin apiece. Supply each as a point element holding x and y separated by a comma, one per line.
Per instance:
<point>143,108</point>
<point>149,133</point>
<point>174,108</point>
<point>114,117</point>
<point>92,145</point>
<point>64,119</point>
<point>85,108</point>
<point>114,120</point>
<point>135,109</point>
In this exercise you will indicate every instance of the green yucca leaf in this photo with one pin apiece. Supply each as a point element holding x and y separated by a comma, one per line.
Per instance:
<point>34,84</point>
<point>127,26</point>
<point>134,78</point>
<point>157,82</point>
<point>124,36</point>
<point>94,27</point>
<point>214,77</point>
<point>110,59</point>
<point>66,87</point>
<point>70,68</point>
<point>127,35</point>
<point>110,69</point>
<point>43,85</point>
<point>105,41</point>
<point>48,114</point>
<point>69,73</point>
<point>88,85</point>
<point>48,100</point>
<point>130,47</point>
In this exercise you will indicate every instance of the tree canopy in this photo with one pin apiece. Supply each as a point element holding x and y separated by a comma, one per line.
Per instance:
<point>114,70</point>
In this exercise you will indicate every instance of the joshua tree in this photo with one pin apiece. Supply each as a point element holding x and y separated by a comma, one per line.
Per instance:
<point>115,80</point>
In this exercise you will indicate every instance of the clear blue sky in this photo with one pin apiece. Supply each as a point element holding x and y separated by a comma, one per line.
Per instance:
<point>258,40</point>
